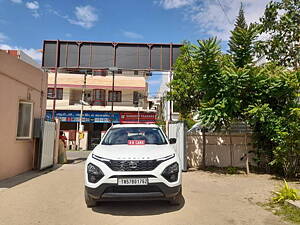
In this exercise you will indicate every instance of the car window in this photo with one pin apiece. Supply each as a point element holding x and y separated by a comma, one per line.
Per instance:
<point>123,136</point>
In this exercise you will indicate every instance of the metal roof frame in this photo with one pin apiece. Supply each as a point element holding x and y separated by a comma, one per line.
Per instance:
<point>91,55</point>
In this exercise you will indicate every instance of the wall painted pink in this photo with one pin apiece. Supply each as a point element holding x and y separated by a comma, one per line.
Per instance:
<point>18,81</point>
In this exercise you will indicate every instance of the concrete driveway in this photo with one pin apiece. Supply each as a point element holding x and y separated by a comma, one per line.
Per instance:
<point>57,198</point>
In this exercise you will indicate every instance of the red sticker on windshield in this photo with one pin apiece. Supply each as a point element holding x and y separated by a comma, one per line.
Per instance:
<point>136,142</point>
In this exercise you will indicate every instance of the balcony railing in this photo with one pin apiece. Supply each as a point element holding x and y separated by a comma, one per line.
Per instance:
<point>98,102</point>
<point>90,102</point>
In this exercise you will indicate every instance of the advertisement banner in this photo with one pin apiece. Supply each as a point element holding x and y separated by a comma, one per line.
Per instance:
<point>135,117</point>
<point>87,117</point>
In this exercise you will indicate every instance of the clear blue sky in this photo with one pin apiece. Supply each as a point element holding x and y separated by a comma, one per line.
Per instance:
<point>24,24</point>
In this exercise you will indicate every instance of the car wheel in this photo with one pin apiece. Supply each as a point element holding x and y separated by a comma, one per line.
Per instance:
<point>176,200</point>
<point>90,202</point>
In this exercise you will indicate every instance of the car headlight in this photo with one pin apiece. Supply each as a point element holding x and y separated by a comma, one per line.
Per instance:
<point>170,173</point>
<point>94,173</point>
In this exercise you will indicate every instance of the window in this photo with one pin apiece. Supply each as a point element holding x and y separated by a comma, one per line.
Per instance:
<point>88,97</point>
<point>100,73</point>
<point>136,96</point>
<point>59,93</point>
<point>116,96</point>
<point>98,97</point>
<point>50,93</point>
<point>24,120</point>
<point>121,136</point>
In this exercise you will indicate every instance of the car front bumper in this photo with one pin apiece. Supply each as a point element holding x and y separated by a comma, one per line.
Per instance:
<point>153,191</point>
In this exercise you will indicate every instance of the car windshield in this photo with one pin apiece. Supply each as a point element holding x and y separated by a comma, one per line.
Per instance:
<point>132,135</point>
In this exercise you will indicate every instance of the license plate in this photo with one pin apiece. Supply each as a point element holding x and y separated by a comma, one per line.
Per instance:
<point>133,181</point>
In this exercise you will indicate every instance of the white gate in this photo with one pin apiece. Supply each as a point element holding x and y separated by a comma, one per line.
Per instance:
<point>47,144</point>
<point>177,130</point>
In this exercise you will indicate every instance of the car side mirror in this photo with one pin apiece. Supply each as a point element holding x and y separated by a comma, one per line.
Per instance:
<point>172,140</point>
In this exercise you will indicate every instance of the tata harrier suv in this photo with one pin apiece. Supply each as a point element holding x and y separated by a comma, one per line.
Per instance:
<point>133,162</point>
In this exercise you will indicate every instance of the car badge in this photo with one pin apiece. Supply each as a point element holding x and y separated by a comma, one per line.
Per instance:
<point>132,165</point>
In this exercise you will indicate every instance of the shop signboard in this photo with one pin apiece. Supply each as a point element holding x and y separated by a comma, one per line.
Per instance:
<point>135,117</point>
<point>87,116</point>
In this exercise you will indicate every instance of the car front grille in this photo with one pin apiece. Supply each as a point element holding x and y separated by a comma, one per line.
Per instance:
<point>132,189</point>
<point>132,165</point>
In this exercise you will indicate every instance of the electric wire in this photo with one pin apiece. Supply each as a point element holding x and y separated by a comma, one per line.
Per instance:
<point>226,15</point>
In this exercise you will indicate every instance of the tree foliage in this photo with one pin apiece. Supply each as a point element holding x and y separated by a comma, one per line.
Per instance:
<point>265,97</point>
<point>219,105</point>
<point>281,25</point>
<point>224,88</point>
<point>184,89</point>
<point>240,21</point>
<point>275,121</point>
<point>241,43</point>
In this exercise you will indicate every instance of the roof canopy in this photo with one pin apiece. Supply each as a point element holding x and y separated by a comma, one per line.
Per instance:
<point>102,55</point>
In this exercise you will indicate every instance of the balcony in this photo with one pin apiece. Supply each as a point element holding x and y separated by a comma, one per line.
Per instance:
<point>91,97</point>
<point>98,99</point>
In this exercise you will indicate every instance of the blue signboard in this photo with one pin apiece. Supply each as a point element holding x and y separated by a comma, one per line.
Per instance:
<point>87,116</point>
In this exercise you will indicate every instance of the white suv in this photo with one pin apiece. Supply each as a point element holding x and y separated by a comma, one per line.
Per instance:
<point>133,162</point>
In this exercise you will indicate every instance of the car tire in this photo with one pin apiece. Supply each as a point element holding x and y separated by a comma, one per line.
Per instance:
<point>90,202</point>
<point>177,199</point>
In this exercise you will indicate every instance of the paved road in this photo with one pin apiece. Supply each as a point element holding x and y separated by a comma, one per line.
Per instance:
<point>77,155</point>
<point>211,199</point>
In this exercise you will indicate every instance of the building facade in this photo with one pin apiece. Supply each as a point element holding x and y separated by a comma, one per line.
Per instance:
<point>89,98</point>
<point>166,111</point>
<point>23,89</point>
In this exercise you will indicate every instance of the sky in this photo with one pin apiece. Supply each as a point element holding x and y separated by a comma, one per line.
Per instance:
<point>24,24</point>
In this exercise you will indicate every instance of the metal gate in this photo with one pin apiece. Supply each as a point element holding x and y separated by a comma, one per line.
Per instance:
<point>177,130</point>
<point>47,141</point>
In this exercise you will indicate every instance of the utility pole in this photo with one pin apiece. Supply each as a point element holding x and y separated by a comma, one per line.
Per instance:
<point>112,97</point>
<point>81,110</point>
<point>171,77</point>
<point>140,96</point>
<point>55,81</point>
<point>113,70</point>
<point>138,109</point>
<point>171,108</point>
<point>55,95</point>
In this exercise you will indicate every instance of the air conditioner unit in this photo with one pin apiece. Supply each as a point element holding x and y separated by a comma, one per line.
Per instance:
<point>37,128</point>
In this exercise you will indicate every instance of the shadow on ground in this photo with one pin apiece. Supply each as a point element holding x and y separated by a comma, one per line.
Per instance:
<point>75,161</point>
<point>137,208</point>
<point>21,178</point>
<point>73,158</point>
<point>223,170</point>
<point>231,170</point>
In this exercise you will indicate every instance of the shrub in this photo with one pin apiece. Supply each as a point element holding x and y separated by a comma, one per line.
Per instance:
<point>232,170</point>
<point>285,193</point>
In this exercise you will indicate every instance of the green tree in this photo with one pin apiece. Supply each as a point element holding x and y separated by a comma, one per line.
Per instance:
<point>275,120</point>
<point>209,82</point>
<point>281,25</point>
<point>241,42</point>
<point>184,89</point>
<point>221,86</point>
<point>240,21</point>
<point>207,55</point>
<point>227,89</point>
